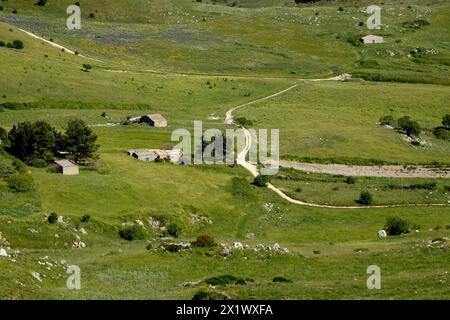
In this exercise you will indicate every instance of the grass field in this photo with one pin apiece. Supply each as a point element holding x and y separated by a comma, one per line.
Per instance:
<point>194,61</point>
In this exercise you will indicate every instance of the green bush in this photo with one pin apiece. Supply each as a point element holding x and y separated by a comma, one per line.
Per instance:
<point>204,295</point>
<point>365,198</point>
<point>350,180</point>
<point>201,295</point>
<point>3,136</point>
<point>396,226</point>
<point>17,44</point>
<point>6,168</point>
<point>204,241</point>
<point>52,218</point>
<point>20,182</point>
<point>446,121</point>
<point>243,122</point>
<point>2,43</point>
<point>281,279</point>
<point>85,218</point>
<point>442,133</point>
<point>388,120</point>
<point>261,180</point>
<point>131,233</point>
<point>173,230</point>
<point>225,280</point>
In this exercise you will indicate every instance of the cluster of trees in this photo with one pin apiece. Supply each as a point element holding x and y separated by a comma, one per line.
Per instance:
<point>16,44</point>
<point>410,127</point>
<point>444,131</point>
<point>38,143</point>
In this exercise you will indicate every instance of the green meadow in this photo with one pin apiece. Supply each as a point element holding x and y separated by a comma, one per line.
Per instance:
<point>191,61</point>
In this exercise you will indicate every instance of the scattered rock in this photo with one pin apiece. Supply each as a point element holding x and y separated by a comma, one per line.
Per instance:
<point>34,231</point>
<point>3,253</point>
<point>78,245</point>
<point>83,231</point>
<point>36,275</point>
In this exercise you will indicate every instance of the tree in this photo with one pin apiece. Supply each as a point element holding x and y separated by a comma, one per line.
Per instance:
<point>396,226</point>
<point>17,44</point>
<point>80,141</point>
<point>365,198</point>
<point>446,121</point>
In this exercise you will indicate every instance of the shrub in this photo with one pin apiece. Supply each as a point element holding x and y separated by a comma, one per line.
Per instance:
<point>365,198</point>
<point>446,121</point>
<point>41,3</point>
<point>281,279</point>
<point>85,218</point>
<point>222,280</point>
<point>6,169</point>
<point>261,180</point>
<point>173,230</point>
<point>131,233</point>
<point>396,226</point>
<point>17,44</point>
<point>350,180</point>
<point>2,43</point>
<point>388,120</point>
<point>52,218</point>
<point>204,242</point>
<point>86,67</point>
<point>442,133</point>
<point>244,122</point>
<point>20,182</point>
<point>201,295</point>
<point>3,136</point>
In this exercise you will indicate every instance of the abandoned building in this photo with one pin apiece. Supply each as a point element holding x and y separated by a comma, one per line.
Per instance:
<point>371,39</point>
<point>67,167</point>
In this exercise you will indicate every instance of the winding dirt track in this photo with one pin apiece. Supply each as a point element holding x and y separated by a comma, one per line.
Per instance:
<point>253,169</point>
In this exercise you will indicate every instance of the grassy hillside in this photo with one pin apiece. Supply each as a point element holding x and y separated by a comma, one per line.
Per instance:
<point>285,40</point>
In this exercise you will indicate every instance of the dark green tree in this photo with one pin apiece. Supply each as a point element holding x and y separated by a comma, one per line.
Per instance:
<point>80,141</point>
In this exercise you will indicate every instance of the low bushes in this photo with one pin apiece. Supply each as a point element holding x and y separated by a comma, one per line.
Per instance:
<point>365,198</point>
<point>396,226</point>
<point>131,233</point>
<point>204,242</point>
<point>52,218</point>
<point>418,186</point>
<point>85,218</point>
<point>227,279</point>
<point>20,182</point>
<point>173,230</point>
